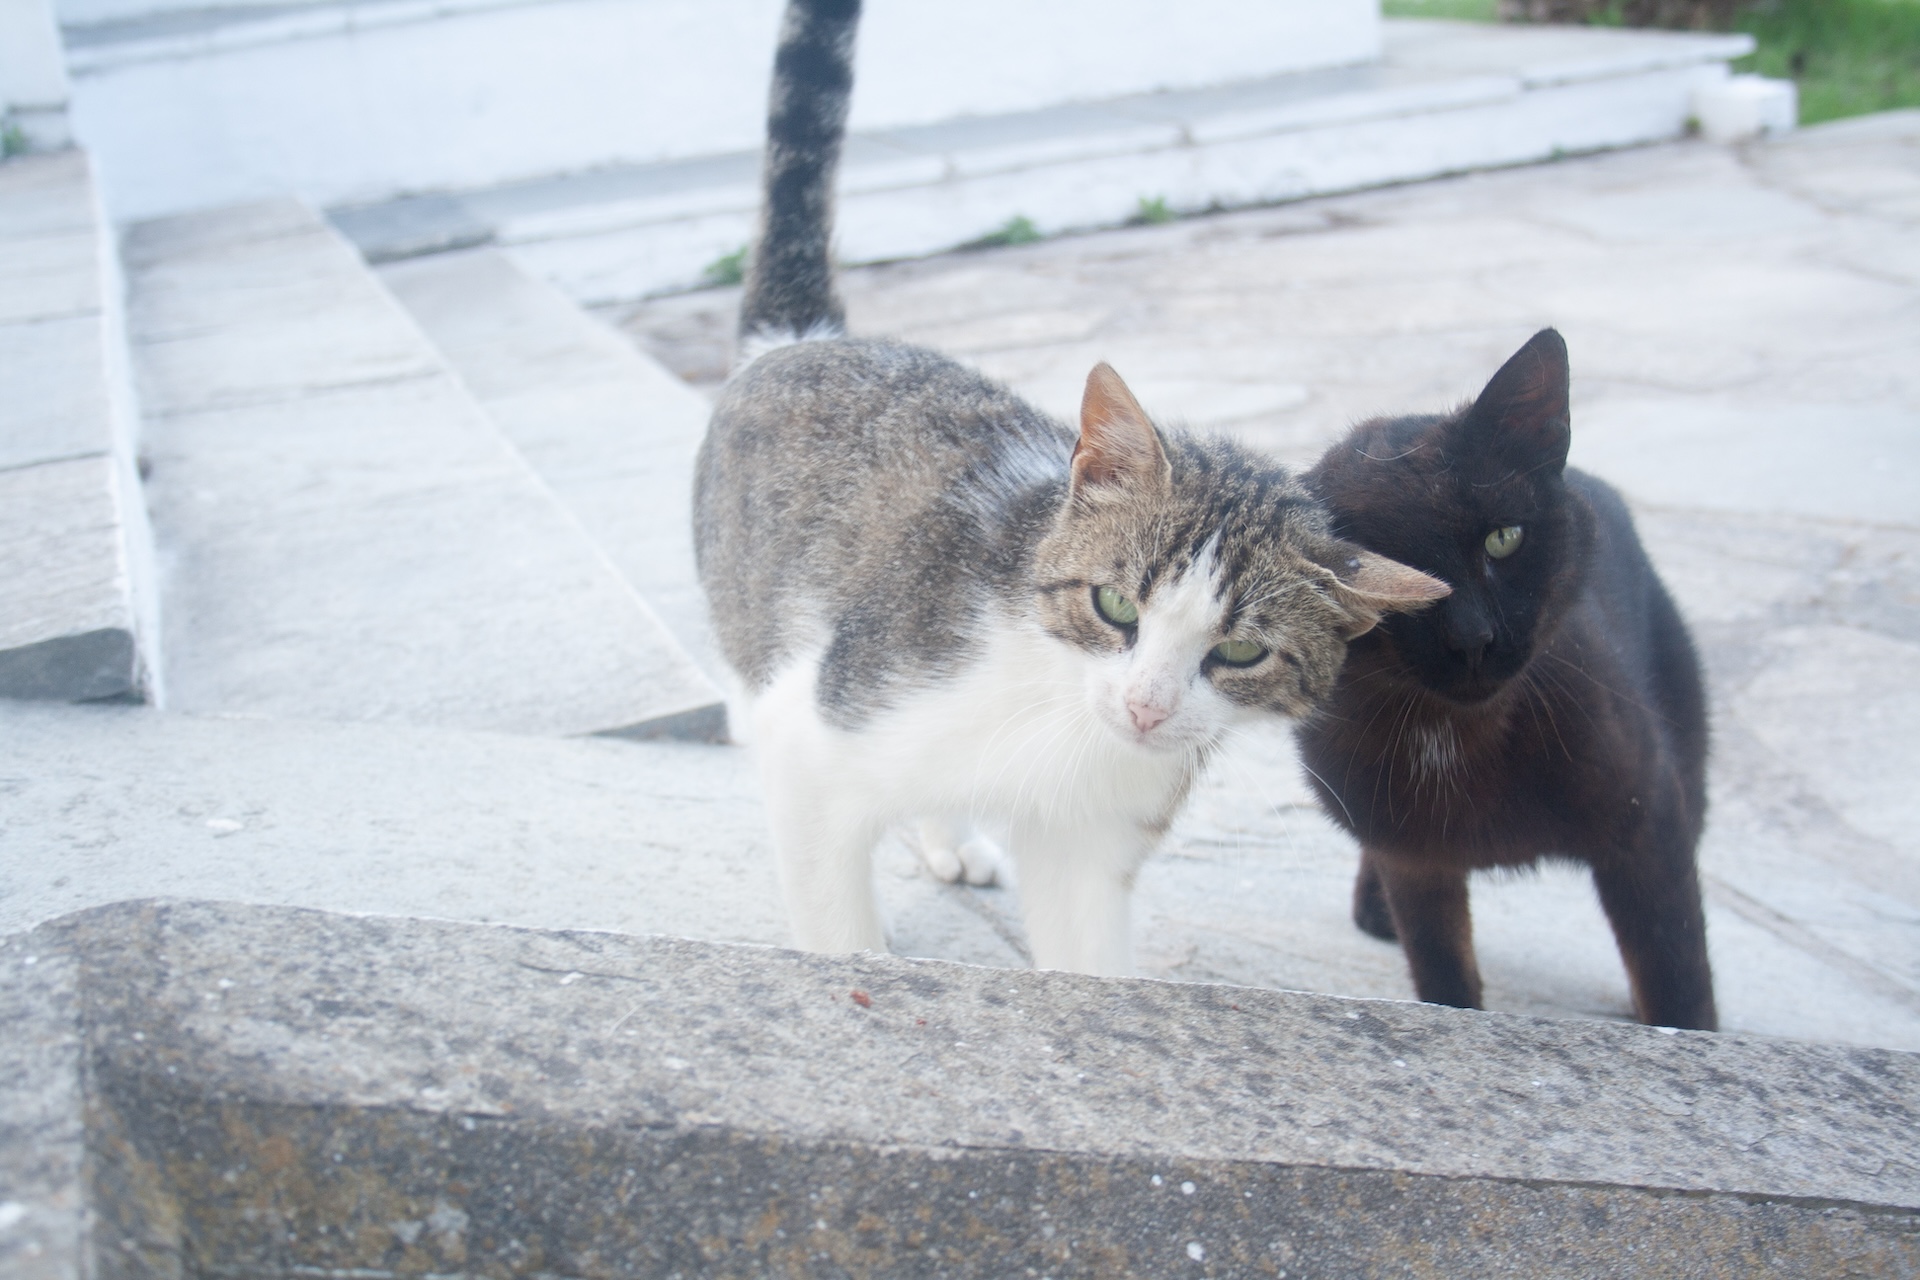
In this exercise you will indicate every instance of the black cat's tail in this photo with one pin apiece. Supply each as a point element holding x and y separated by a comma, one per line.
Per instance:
<point>790,293</point>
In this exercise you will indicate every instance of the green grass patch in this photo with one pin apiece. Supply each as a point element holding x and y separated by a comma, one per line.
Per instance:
<point>1151,213</point>
<point>730,268</point>
<point>1849,57</point>
<point>1465,10</point>
<point>1018,229</point>
<point>13,141</point>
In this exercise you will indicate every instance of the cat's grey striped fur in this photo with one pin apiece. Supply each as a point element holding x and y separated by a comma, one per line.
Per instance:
<point>943,603</point>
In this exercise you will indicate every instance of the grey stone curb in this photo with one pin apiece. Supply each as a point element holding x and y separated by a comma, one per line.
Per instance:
<point>272,1092</point>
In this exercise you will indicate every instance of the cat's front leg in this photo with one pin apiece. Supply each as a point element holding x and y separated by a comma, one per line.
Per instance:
<point>825,856</point>
<point>1652,899</point>
<point>1430,914</point>
<point>824,826</point>
<point>1370,910</point>
<point>1076,890</point>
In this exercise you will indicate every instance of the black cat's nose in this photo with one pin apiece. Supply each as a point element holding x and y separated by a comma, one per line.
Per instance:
<point>1468,630</point>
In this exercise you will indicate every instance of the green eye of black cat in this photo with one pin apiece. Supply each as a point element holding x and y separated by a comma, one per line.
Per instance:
<point>1114,607</point>
<point>1238,653</point>
<point>1502,543</point>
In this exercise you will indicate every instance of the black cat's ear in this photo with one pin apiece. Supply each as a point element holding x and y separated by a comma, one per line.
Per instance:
<point>1118,446</point>
<point>1370,586</point>
<point>1523,411</point>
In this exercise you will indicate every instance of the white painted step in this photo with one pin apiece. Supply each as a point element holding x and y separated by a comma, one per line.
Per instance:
<point>610,431</point>
<point>1445,97</point>
<point>346,535</point>
<point>75,567</point>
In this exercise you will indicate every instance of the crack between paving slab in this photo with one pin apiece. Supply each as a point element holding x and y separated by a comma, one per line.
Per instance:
<point>1793,933</point>
<point>969,898</point>
<point>1793,189</point>
<point>1813,826</point>
<point>49,462</point>
<point>1785,517</point>
<point>291,395</point>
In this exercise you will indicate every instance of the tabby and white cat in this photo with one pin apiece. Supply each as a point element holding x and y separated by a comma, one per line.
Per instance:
<point>942,603</point>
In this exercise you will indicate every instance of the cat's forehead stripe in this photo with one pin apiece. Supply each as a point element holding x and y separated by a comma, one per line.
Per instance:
<point>1190,598</point>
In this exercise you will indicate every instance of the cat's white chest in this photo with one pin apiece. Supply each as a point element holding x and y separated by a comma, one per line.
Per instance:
<point>1012,734</point>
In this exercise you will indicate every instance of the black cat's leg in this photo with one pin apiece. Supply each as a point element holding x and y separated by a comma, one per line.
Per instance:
<point>1370,910</point>
<point>1430,915</point>
<point>1652,899</point>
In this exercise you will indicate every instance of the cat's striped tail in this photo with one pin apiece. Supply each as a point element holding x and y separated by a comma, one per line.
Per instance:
<point>790,291</point>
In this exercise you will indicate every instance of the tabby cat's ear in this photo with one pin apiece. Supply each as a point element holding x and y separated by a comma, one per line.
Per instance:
<point>1522,415</point>
<point>1118,446</point>
<point>1371,586</point>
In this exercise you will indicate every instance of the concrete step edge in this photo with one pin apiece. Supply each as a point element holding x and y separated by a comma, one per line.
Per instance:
<point>81,608</point>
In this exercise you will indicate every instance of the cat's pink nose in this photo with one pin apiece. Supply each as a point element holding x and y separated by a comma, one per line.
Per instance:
<point>1146,715</point>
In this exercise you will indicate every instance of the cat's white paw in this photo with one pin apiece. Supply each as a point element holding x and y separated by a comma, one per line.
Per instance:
<point>954,852</point>
<point>943,862</point>
<point>980,861</point>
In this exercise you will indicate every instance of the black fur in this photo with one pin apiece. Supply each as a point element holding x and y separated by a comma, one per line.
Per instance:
<point>1551,706</point>
<point>790,276</point>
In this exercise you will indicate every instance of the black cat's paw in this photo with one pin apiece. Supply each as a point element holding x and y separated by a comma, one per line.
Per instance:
<point>1370,907</point>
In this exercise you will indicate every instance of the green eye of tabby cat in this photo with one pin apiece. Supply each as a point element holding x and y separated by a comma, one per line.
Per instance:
<point>1115,608</point>
<point>1502,543</point>
<point>1238,653</point>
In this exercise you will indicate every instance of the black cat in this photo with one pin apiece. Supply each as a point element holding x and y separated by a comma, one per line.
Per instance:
<point>1551,706</point>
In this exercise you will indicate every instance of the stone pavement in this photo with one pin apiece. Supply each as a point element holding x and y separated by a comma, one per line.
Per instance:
<point>1742,324</point>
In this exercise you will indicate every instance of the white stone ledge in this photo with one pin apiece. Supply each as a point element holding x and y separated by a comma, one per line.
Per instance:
<point>1543,56</point>
<point>75,571</point>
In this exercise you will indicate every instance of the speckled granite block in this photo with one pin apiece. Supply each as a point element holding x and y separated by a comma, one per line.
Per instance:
<point>273,1092</point>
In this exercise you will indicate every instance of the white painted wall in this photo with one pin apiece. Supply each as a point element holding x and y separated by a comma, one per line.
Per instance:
<point>358,103</point>
<point>33,76</point>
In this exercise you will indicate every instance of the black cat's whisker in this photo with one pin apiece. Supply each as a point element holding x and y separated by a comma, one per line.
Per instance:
<point>1554,678</point>
<point>1601,685</point>
<point>1330,790</point>
<point>1392,457</point>
<point>1535,702</point>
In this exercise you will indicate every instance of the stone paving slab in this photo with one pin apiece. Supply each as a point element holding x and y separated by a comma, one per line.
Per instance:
<point>111,802</point>
<point>53,383</point>
<point>281,1092</point>
<point>347,535</point>
<point>606,427</point>
<point>75,576</point>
